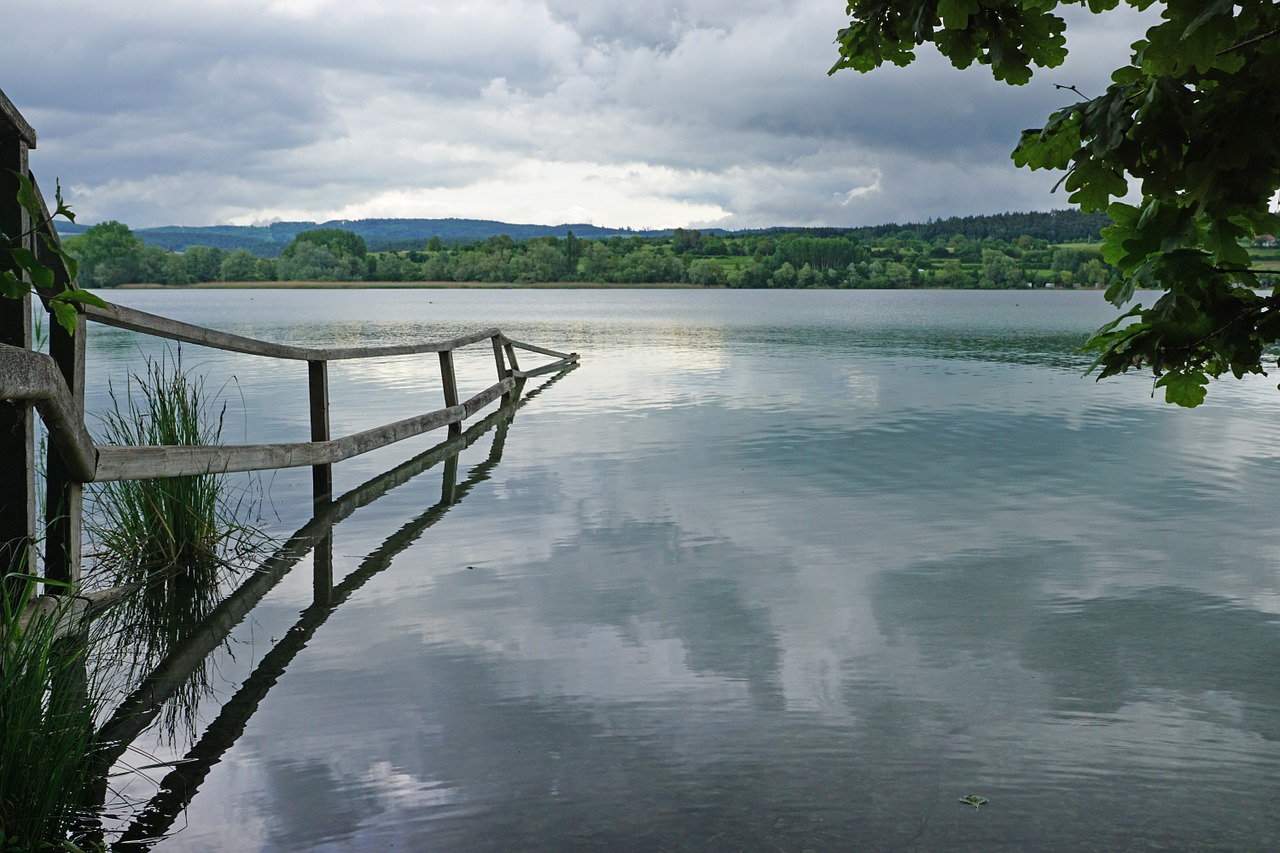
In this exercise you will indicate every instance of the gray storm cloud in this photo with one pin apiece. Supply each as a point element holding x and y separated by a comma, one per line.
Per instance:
<point>657,115</point>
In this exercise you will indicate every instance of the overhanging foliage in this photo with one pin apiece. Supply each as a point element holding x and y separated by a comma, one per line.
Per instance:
<point>1192,120</point>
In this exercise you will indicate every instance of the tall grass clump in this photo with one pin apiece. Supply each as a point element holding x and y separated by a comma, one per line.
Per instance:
<point>144,525</point>
<point>177,539</point>
<point>47,711</point>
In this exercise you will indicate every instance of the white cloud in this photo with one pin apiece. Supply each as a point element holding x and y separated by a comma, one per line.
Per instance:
<point>674,113</point>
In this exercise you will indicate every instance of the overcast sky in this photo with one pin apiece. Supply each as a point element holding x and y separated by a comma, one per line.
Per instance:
<point>643,114</point>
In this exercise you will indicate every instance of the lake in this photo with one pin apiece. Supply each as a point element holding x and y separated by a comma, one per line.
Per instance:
<point>770,570</point>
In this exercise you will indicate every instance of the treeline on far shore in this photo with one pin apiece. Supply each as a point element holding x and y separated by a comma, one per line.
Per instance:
<point>110,254</point>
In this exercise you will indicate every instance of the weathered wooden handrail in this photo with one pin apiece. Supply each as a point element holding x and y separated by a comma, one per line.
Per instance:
<point>321,452</point>
<point>33,377</point>
<point>137,463</point>
<point>175,330</point>
<point>138,710</point>
<point>541,350</point>
<point>54,385</point>
<point>10,116</point>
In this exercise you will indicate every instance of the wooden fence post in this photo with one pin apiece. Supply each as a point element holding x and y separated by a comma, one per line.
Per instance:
<point>64,496</point>
<point>511,354</point>
<point>449,380</point>
<point>318,389</point>
<point>17,423</point>
<point>503,372</point>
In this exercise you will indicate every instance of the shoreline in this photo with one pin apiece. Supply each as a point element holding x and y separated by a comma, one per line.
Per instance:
<point>411,285</point>
<point>540,285</point>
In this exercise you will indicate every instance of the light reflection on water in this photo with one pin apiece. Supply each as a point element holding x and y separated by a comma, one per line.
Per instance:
<point>768,571</point>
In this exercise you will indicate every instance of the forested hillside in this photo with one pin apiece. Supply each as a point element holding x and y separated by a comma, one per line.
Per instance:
<point>111,254</point>
<point>269,241</point>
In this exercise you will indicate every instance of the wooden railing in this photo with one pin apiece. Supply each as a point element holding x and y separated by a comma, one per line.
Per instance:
<point>54,385</point>
<point>138,711</point>
<point>32,377</point>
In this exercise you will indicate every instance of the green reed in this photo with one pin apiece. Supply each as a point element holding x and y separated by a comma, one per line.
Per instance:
<point>176,538</point>
<point>47,709</point>
<point>144,525</point>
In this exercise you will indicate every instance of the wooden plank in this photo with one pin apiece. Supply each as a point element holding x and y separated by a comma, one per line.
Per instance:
<point>134,320</point>
<point>162,327</point>
<point>135,463</point>
<point>540,350</point>
<point>318,394</point>
<point>12,123</point>
<point>410,349</point>
<point>71,612</point>
<point>32,377</point>
<point>546,368</point>
<point>511,356</point>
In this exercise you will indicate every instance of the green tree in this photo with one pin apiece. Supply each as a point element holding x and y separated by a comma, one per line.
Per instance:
<point>999,270</point>
<point>784,276</point>
<point>311,262</point>
<point>339,241</point>
<point>807,276</point>
<point>204,263</point>
<point>393,266</point>
<point>598,263</point>
<point>109,254</point>
<point>1190,119</point>
<point>542,260</point>
<point>240,265</point>
<point>163,267</point>
<point>707,273</point>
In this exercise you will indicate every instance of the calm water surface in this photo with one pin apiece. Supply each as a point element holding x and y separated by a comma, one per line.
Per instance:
<point>769,571</point>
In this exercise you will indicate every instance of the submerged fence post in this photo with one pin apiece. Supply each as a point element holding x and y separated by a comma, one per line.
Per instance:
<point>17,423</point>
<point>449,380</point>
<point>322,570</point>
<point>449,484</point>
<point>318,389</point>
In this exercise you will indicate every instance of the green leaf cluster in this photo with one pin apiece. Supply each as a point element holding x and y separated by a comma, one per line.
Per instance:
<point>1191,122</point>
<point>21,269</point>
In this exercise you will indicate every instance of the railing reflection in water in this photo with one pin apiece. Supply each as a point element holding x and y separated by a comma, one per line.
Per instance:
<point>179,680</point>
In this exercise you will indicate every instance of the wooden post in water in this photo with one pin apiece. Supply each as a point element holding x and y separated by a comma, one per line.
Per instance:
<point>449,380</point>
<point>322,582</point>
<point>511,355</point>
<point>318,388</point>
<point>449,486</point>
<point>17,423</point>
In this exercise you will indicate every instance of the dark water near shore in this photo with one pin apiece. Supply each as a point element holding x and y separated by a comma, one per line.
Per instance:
<point>768,571</point>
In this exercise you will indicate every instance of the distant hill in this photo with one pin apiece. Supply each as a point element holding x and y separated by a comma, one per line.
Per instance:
<point>1056,226</point>
<point>268,241</point>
